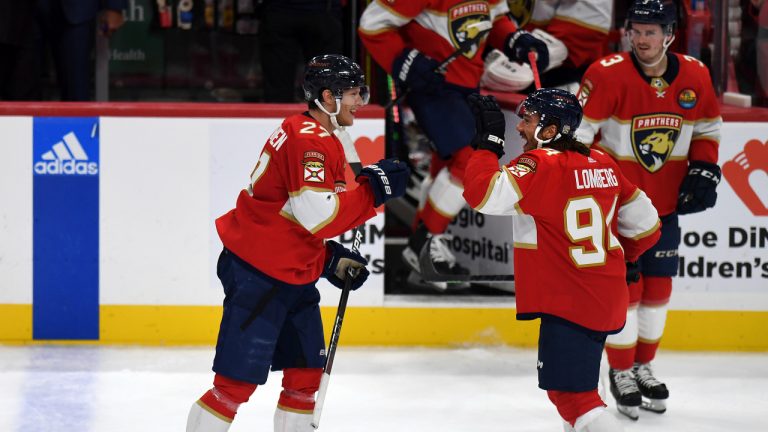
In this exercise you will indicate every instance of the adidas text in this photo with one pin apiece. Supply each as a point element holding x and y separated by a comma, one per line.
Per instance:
<point>67,167</point>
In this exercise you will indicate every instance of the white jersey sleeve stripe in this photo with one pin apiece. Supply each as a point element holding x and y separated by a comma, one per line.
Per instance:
<point>502,196</point>
<point>708,129</point>
<point>312,208</point>
<point>377,19</point>
<point>587,130</point>
<point>637,217</point>
<point>524,228</point>
<point>445,194</point>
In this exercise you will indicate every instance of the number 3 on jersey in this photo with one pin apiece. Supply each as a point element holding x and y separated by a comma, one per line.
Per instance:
<point>584,221</point>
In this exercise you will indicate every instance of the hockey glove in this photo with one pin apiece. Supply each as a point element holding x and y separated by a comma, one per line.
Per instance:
<point>520,43</point>
<point>633,272</point>
<point>417,72</point>
<point>338,260</point>
<point>489,124</point>
<point>388,179</point>
<point>697,193</point>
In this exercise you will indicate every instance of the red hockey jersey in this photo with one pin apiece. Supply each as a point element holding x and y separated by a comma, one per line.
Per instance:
<point>582,26</point>
<point>652,125</point>
<point>436,28</point>
<point>576,219</point>
<point>295,200</point>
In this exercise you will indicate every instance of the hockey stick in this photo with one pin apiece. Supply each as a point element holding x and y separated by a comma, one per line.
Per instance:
<point>430,274</point>
<point>482,27</point>
<point>357,235</point>
<point>534,68</point>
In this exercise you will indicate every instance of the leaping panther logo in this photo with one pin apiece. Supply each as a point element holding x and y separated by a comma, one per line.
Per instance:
<point>654,137</point>
<point>462,20</point>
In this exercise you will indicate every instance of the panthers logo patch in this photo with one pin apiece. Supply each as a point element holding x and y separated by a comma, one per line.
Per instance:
<point>460,24</point>
<point>653,138</point>
<point>521,11</point>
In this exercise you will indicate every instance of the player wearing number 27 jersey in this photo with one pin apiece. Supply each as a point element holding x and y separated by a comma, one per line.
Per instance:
<point>293,203</point>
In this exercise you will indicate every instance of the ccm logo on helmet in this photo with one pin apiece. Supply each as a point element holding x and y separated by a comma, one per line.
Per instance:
<point>383,177</point>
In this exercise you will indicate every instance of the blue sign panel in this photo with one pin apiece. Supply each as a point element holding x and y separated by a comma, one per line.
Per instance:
<point>65,299</point>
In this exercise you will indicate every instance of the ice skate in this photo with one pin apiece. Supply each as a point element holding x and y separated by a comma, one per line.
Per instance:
<point>442,257</point>
<point>654,392</point>
<point>624,390</point>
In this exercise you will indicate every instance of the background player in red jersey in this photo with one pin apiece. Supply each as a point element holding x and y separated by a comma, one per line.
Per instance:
<point>576,33</point>
<point>575,213</point>
<point>657,114</point>
<point>276,248</point>
<point>409,39</point>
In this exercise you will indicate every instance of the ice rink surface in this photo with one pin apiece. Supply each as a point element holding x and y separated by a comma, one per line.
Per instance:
<point>129,389</point>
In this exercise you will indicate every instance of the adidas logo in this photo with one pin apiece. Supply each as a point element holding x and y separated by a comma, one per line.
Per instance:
<point>67,157</point>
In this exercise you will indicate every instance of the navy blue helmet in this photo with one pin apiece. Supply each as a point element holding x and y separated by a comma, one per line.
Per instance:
<point>652,12</point>
<point>555,106</point>
<point>334,72</point>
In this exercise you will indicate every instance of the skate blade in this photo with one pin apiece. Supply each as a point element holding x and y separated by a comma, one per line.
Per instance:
<point>630,411</point>
<point>658,406</point>
<point>414,279</point>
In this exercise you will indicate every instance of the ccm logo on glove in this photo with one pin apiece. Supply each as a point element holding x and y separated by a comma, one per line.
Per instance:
<point>705,173</point>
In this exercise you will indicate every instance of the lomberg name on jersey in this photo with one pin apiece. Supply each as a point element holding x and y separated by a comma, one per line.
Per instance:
<point>595,178</point>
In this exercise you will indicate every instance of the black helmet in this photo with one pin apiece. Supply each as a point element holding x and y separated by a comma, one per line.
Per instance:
<point>652,12</point>
<point>555,106</point>
<point>334,72</point>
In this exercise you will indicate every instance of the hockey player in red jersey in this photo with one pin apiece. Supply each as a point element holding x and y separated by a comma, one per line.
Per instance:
<point>409,39</point>
<point>657,114</point>
<point>576,215</point>
<point>576,34</point>
<point>276,247</point>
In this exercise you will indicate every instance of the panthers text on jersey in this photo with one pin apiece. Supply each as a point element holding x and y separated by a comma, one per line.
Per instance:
<point>651,125</point>
<point>576,219</point>
<point>296,198</point>
<point>435,28</point>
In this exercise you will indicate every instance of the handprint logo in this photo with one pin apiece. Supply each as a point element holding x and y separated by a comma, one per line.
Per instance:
<point>739,169</point>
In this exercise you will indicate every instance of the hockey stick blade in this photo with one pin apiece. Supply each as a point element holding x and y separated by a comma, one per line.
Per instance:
<point>482,27</point>
<point>430,274</point>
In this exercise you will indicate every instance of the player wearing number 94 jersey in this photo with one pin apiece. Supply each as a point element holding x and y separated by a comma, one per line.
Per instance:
<point>576,219</point>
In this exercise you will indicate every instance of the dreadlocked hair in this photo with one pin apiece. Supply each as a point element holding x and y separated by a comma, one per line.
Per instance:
<point>569,143</point>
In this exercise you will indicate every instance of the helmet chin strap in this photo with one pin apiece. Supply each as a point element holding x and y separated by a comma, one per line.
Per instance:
<point>665,45</point>
<point>332,115</point>
<point>540,142</point>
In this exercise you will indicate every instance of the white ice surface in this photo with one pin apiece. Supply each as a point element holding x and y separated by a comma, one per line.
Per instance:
<point>129,389</point>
